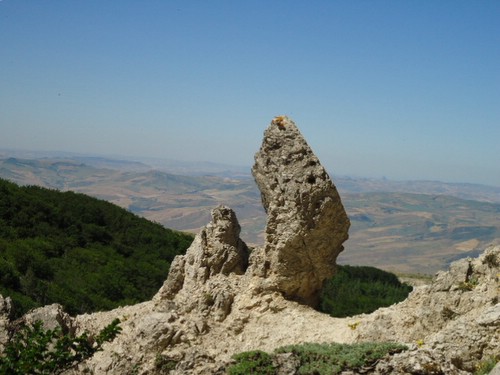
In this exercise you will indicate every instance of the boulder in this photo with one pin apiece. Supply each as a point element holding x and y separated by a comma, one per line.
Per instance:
<point>306,221</point>
<point>52,317</point>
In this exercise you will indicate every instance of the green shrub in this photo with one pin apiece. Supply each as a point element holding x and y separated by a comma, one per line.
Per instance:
<point>316,359</point>
<point>467,286</point>
<point>484,367</point>
<point>356,290</point>
<point>255,362</point>
<point>329,359</point>
<point>33,350</point>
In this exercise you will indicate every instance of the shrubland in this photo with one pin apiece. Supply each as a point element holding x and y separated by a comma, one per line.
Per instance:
<point>79,251</point>
<point>313,358</point>
<point>361,289</point>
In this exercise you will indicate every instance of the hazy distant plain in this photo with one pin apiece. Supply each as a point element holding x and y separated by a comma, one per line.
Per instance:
<point>407,227</point>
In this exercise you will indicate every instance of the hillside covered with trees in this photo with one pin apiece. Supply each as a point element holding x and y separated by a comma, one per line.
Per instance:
<point>361,289</point>
<point>90,255</point>
<point>84,253</point>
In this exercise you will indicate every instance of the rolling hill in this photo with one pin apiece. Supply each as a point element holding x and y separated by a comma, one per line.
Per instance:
<point>408,227</point>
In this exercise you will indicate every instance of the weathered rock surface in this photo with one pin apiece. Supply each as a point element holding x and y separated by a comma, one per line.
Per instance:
<point>198,279</point>
<point>220,298</point>
<point>5,316</point>
<point>306,222</point>
<point>456,316</point>
<point>155,334</point>
<point>51,316</point>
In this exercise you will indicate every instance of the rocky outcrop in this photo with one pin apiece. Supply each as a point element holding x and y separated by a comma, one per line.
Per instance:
<point>306,222</point>
<point>222,298</point>
<point>197,279</point>
<point>306,227</point>
<point>51,316</point>
<point>457,316</point>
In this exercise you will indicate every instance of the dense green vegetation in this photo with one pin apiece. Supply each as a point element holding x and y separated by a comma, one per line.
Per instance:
<point>84,253</point>
<point>252,362</point>
<point>317,359</point>
<point>34,350</point>
<point>356,290</point>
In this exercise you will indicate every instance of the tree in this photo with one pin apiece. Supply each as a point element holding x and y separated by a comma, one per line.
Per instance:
<point>33,350</point>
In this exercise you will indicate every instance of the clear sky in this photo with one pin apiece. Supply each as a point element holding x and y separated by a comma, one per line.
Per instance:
<point>404,89</point>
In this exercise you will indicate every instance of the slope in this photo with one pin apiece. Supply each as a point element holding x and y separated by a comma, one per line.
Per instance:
<point>82,252</point>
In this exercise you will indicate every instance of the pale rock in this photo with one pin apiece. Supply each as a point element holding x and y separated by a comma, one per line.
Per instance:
<point>306,221</point>
<point>287,364</point>
<point>417,362</point>
<point>490,317</point>
<point>460,324</point>
<point>52,317</point>
<point>5,316</point>
<point>496,370</point>
<point>216,250</point>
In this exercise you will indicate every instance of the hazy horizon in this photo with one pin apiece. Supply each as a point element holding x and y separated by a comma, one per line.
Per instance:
<point>156,163</point>
<point>402,90</point>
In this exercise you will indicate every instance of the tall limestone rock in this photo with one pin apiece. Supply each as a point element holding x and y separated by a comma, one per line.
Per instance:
<point>306,223</point>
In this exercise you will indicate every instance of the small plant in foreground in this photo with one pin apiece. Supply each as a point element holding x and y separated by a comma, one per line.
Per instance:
<point>484,367</point>
<point>255,362</point>
<point>354,325</point>
<point>33,350</point>
<point>467,286</point>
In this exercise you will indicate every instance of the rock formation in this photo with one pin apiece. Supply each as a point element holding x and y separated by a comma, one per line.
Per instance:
<point>306,222</point>
<point>221,298</point>
<point>458,315</point>
<point>198,278</point>
<point>306,227</point>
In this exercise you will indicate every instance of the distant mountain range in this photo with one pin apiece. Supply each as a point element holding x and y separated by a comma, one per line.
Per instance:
<point>402,226</point>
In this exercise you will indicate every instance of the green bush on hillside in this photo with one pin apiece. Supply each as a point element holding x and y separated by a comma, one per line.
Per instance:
<point>316,359</point>
<point>253,362</point>
<point>356,290</point>
<point>82,252</point>
<point>34,350</point>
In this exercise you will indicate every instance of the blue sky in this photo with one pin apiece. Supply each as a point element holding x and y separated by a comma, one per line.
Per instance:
<point>402,89</point>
